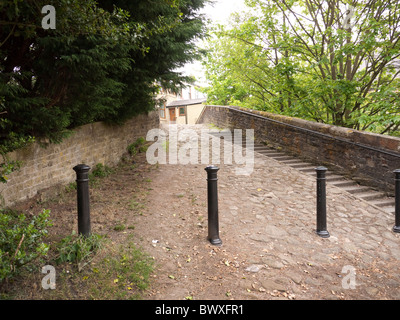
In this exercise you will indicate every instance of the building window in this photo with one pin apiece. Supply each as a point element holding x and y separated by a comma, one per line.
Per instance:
<point>182,111</point>
<point>162,111</point>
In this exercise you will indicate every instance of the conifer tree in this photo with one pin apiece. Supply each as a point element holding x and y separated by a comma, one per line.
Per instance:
<point>104,61</point>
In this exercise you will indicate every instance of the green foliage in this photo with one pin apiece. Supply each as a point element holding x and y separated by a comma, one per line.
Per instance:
<point>105,61</point>
<point>101,171</point>
<point>21,240</point>
<point>78,249</point>
<point>98,172</point>
<point>14,142</point>
<point>132,149</point>
<point>72,186</point>
<point>119,227</point>
<point>73,52</point>
<point>123,274</point>
<point>137,146</point>
<point>299,58</point>
<point>6,168</point>
<point>133,267</point>
<point>139,141</point>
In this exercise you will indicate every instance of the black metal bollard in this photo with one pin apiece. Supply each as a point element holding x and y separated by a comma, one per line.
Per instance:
<point>321,202</point>
<point>212,199</point>
<point>396,227</point>
<point>82,184</point>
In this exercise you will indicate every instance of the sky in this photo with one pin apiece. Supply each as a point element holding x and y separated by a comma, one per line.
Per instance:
<point>218,12</point>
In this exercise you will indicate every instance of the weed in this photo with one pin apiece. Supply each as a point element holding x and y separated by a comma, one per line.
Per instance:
<point>143,149</point>
<point>101,171</point>
<point>140,141</point>
<point>124,274</point>
<point>133,267</point>
<point>78,249</point>
<point>137,146</point>
<point>98,172</point>
<point>132,149</point>
<point>134,205</point>
<point>119,227</point>
<point>193,199</point>
<point>70,187</point>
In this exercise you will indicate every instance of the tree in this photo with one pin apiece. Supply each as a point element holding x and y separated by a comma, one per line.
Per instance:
<point>173,25</point>
<point>330,61</point>
<point>47,75</point>
<point>102,62</point>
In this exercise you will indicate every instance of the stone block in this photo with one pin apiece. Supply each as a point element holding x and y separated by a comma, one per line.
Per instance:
<point>349,150</point>
<point>91,144</point>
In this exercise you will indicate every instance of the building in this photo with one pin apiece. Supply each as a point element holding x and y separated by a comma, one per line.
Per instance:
<point>185,111</point>
<point>182,108</point>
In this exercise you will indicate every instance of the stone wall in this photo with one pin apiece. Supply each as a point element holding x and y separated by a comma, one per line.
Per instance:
<point>44,168</point>
<point>366,157</point>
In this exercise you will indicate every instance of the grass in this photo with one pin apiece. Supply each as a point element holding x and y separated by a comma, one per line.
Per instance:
<point>120,272</point>
<point>119,227</point>
<point>123,274</point>
<point>78,249</point>
<point>106,267</point>
<point>101,171</point>
<point>135,206</point>
<point>98,172</point>
<point>131,267</point>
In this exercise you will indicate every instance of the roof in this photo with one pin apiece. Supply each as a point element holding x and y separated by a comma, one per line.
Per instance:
<point>178,103</point>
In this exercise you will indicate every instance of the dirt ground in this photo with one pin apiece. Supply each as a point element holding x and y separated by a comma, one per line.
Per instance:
<point>166,205</point>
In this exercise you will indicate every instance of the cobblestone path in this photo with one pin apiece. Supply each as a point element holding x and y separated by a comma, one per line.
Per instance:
<point>270,249</point>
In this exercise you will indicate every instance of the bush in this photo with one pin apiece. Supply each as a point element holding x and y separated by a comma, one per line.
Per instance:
<point>21,240</point>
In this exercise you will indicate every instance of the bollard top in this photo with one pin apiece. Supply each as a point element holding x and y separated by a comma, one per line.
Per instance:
<point>82,172</point>
<point>321,172</point>
<point>211,168</point>
<point>81,168</point>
